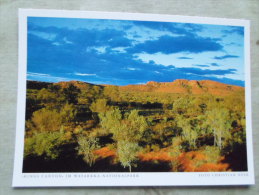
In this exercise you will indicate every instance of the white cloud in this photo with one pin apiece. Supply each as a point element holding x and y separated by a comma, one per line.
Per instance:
<point>120,49</point>
<point>37,74</point>
<point>56,43</point>
<point>67,41</point>
<point>45,77</point>
<point>84,74</point>
<point>132,69</point>
<point>44,35</point>
<point>100,50</point>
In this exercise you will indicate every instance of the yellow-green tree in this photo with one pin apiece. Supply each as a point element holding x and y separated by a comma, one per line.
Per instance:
<point>100,106</point>
<point>182,104</point>
<point>112,92</point>
<point>126,132</point>
<point>189,133</point>
<point>127,152</point>
<point>218,120</point>
<point>111,121</point>
<point>68,113</point>
<point>132,127</point>
<point>86,148</point>
<point>46,120</point>
<point>50,98</point>
<point>47,144</point>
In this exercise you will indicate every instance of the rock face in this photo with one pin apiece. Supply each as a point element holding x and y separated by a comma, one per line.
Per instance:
<point>182,86</point>
<point>65,84</point>
<point>179,86</point>
<point>79,84</point>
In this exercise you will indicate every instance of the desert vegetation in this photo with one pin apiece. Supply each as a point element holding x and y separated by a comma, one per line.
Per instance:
<point>182,126</point>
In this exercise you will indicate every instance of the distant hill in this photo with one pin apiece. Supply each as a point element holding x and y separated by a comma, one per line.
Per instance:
<point>78,84</point>
<point>37,84</point>
<point>62,84</point>
<point>179,86</point>
<point>182,86</point>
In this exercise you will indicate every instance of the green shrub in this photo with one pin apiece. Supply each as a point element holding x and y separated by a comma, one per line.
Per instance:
<point>47,144</point>
<point>212,153</point>
<point>100,106</point>
<point>219,122</point>
<point>46,120</point>
<point>127,153</point>
<point>68,113</point>
<point>86,148</point>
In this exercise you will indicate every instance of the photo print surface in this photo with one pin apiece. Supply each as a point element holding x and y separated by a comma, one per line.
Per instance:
<point>106,95</point>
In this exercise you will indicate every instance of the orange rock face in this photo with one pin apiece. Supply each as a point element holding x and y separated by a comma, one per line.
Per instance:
<point>182,86</point>
<point>179,86</point>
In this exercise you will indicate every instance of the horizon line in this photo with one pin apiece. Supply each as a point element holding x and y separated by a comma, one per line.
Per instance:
<point>131,84</point>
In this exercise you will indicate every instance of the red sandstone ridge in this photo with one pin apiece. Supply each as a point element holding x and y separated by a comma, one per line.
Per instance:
<point>153,83</point>
<point>182,86</point>
<point>78,84</point>
<point>179,86</point>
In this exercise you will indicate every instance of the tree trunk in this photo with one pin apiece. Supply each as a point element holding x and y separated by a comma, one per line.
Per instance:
<point>214,133</point>
<point>220,141</point>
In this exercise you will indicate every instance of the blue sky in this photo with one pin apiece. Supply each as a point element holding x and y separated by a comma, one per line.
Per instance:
<point>123,52</point>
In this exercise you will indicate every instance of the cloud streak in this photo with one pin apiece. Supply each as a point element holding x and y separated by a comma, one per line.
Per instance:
<point>214,64</point>
<point>84,74</point>
<point>185,58</point>
<point>168,45</point>
<point>201,65</point>
<point>175,28</point>
<point>235,30</point>
<point>45,77</point>
<point>199,71</point>
<point>225,57</point>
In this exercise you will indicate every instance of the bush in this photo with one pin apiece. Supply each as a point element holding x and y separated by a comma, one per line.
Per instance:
<point>47,144</point>
<point>46,120</point>
<point>100,106</point>
<point>127,153</point>
<point>86,148</point>
<point>68,113</point>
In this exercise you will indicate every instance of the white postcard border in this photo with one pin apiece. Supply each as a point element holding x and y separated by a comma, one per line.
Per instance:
<point>124,179</point>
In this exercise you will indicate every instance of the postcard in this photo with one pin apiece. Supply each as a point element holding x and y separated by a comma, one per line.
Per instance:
<point>130,99</point>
